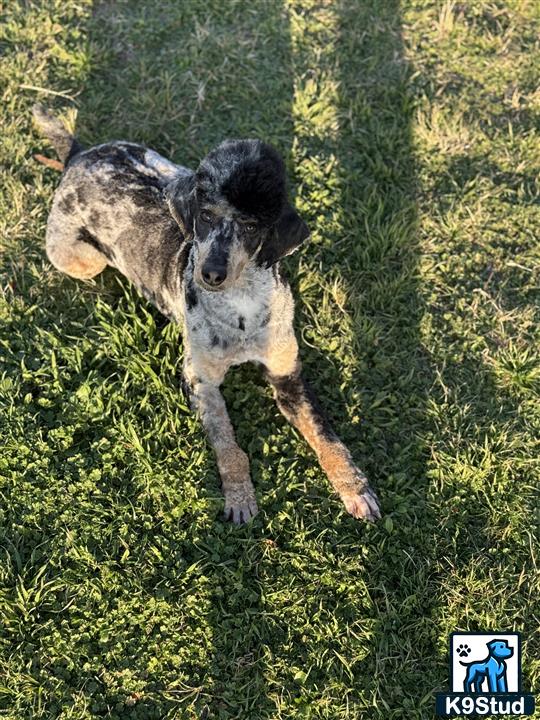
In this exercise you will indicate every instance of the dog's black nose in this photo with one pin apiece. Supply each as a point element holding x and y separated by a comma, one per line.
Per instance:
<point>214,275</point>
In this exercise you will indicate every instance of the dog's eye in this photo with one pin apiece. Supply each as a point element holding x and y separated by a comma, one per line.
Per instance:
<point>250,228</point>
<point>207,217</point>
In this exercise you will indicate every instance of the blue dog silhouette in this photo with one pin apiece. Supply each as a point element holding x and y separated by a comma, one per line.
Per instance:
<point>493,668</point>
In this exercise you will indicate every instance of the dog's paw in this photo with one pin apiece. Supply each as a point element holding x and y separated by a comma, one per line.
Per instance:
<point>363,505</point>
<point>463,650</point>
<point>240,506</point>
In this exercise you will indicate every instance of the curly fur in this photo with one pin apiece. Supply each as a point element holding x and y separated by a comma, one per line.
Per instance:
<point>255,183</point>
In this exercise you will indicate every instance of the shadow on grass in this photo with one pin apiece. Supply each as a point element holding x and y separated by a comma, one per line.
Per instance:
<point>381,266</point>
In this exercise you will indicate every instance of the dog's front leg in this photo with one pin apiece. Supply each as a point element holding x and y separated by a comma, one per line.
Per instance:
<point>297,402</point>
<point>203,383</point>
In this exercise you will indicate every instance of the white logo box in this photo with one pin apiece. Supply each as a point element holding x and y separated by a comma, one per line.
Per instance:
<point>476,643</point>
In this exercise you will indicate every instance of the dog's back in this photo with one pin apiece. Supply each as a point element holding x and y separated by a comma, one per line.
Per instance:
<point>110,208</point>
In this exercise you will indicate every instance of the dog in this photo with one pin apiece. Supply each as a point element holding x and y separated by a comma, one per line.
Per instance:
<point>204,247</point>
<point>493,668</point>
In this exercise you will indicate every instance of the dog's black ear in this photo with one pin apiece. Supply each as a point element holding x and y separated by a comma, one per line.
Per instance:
<point>182,202</point>
<point>290,231</point>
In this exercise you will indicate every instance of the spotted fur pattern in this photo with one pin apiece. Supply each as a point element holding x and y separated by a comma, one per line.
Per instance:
<point>203,246</point>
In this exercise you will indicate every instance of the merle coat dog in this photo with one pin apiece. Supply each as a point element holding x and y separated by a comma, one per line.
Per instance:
<point>204,247</point>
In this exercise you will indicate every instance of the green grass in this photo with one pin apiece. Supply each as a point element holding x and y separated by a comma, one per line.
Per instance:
<point>411,133</point>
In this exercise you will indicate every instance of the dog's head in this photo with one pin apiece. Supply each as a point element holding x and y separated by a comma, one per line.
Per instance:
<point>235,210</point>
<point>500,649</point>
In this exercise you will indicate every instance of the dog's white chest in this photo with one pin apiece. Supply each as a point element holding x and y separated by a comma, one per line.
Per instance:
<point>249,310</point>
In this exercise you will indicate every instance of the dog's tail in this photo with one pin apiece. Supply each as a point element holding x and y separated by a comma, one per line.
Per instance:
<point>65,144</point>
